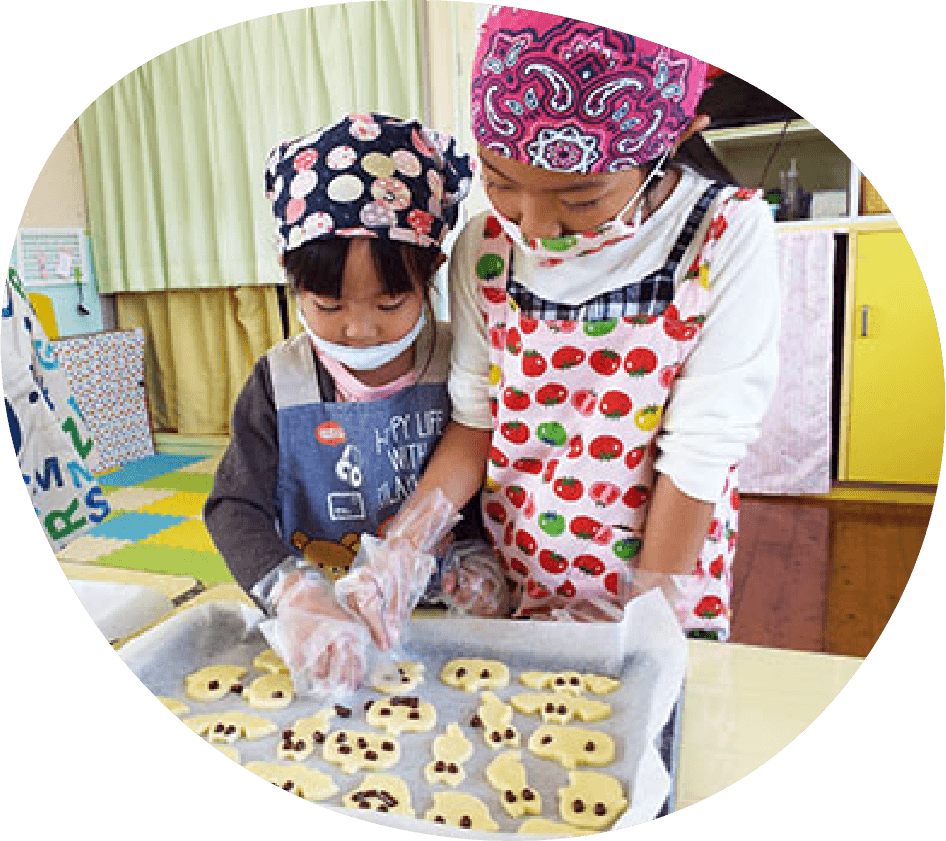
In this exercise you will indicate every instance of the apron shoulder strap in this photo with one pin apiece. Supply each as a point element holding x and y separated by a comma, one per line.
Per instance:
<point>690,227</point>
<point>433,351</point>
<point>292,369</point>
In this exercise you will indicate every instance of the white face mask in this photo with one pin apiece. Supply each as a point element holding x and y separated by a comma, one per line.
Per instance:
<point>365,358</point>
<point>555,250</point>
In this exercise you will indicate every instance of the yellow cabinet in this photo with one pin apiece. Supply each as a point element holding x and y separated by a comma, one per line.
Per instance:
<point>896,403</point>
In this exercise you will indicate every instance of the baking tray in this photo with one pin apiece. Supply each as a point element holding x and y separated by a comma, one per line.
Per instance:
<point>646,651</point>
<point>123,602</point>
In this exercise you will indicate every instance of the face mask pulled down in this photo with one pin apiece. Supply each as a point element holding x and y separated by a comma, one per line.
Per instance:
<point>338,359</point>
<point>555,250</point>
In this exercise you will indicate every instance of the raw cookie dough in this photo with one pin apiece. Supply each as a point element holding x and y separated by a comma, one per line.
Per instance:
<point>451,750</point>
<point>571,746</point>
<point>591,800</point>
<point>507,775</point>
<point>381,793</point>
<point>213,682</point>
<point>560,707</point>
<point>355,751</point>
<point>300,740</point>
<point>175,705</point>
<point>399,677</point>
<point>399,713</point>
<point>270,661</point>
<point>270,692</point>
<point>456,808</point>
<point>301,781</point>
<point>473,675</point>
<point>543,826</point>
<point>229,726</point>
<point>495,718</point>
<point>573,683</point>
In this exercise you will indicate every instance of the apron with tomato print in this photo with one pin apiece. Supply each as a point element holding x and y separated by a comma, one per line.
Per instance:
<point>577,405</point>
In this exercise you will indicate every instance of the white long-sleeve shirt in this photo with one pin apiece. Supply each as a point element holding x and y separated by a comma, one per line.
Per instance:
<point>720,398</point>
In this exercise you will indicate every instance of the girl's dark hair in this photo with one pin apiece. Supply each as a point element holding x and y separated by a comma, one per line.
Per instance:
<point>319,265</point>
<point>697,155</point>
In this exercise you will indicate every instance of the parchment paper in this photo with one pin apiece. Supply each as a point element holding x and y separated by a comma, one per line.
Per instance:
<point>646,651</point>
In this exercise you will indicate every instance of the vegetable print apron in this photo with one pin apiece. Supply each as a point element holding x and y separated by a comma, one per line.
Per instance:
<point>577,406</point>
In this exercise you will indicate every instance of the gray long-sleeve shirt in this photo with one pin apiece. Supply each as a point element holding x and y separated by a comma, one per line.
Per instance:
<point>240,512</point>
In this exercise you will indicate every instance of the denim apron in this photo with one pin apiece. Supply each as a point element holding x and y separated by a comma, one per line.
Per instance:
<point>345,468</point>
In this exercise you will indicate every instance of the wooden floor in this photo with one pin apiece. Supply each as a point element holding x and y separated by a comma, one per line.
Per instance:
<point>822,575</point>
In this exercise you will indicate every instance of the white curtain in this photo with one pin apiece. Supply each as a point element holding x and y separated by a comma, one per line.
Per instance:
<point>173,153</point>
<point>173,158</point>
<point>793,453</point>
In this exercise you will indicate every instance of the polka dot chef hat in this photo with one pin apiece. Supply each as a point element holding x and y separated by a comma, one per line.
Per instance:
<point>368,175</point>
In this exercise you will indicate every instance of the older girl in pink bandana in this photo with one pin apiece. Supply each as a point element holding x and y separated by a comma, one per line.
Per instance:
<point>615,319</point>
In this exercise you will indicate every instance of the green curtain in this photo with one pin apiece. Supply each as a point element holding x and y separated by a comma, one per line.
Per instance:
<point>173,153</point>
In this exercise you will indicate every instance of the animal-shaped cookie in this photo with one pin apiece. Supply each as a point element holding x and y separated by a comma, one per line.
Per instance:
<point>573,683</point>
<point>451,750</point>
<point>473,675</point>
<point>229,726</point>
<point>211,683</point>
<point>300,740</point>
<point>591,800</point>
<point>175,705</point>
<point>560,707</point>
<point>456,808</point>
<point>495,718</point>
<point>381,793</point>
<point>296,779</point>
<point>357,751</point>
<point>400,712</point>
<point>507,775</point>
<point>269,661</point>
<point>399,677</point>
<point>543,826</point>
<point>571,746</point>
<point>270,692</point>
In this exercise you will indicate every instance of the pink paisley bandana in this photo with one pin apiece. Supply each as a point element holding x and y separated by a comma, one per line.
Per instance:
<point>570,96</point>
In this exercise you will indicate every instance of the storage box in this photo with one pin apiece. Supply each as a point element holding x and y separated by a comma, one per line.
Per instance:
<point>871,201</point>
<point>828,204</point>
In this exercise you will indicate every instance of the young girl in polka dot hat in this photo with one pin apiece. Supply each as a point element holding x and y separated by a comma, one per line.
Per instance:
<point>335,424</point>
<point>615,321</point>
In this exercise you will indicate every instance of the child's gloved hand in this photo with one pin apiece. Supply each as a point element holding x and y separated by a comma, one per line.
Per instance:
<point>389,576</point>
<point>674,588</point>
<point>473,580</point>
<point>634,584</point>
<point>323,645</point>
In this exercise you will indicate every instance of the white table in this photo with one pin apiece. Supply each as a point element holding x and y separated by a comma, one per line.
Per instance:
<point>743,704</point>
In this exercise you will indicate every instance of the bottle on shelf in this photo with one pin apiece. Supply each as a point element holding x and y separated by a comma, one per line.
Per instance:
<point>791,193</point>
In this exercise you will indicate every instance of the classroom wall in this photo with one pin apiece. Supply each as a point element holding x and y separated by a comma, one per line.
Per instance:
<point>58,201</point>
<point>58,197</point>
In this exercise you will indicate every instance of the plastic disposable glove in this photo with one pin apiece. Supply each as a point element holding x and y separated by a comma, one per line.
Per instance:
<point>324,647</point>
<point>674,588</point>
<point>473,581</point>
<point>634,584</point>
<point>389,576</point>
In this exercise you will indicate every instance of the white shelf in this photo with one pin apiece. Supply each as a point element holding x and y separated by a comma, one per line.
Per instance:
<point>841,224</point>
<point>757,133</point>
<point>745,151</point>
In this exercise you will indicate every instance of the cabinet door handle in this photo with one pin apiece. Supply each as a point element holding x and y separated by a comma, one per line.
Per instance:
<point>864,313</point>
